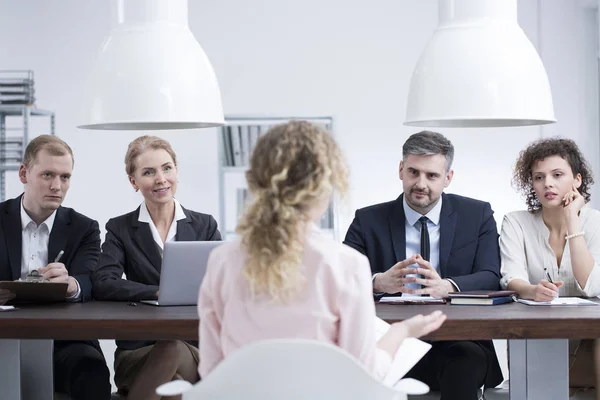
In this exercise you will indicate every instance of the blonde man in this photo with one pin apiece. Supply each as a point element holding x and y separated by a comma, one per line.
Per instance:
<point>63,246</point>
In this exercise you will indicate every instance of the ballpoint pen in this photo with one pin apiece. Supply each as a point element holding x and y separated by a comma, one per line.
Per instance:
<point>548,276</point>
<point>60,254</point>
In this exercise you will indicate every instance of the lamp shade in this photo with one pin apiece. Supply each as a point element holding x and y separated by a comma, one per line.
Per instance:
<point>479,70</point>
<point>151,73</point>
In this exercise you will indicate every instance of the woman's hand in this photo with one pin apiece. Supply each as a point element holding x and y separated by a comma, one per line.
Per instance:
<point>573,202</point>
<point>546,291</point>
<point>416,326</point>
<point>420,325</point>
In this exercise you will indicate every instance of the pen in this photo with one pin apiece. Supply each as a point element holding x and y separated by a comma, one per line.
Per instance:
<point>548,276</point>
<point>60,254</point>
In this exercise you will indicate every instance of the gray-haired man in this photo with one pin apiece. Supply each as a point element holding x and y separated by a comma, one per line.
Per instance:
<point>427,242</point>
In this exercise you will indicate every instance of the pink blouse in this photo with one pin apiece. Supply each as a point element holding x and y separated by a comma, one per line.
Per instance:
<point>336,305</point>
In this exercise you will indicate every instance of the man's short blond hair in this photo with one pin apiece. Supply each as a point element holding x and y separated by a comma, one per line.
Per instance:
<point>50,143</point>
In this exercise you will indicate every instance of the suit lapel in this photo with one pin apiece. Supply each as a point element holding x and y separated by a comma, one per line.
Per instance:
<point>59,235</point>
<point>142,236</point>
<point>11,220</point>
<point>397,229</point>
<point>447,228</point>
<point>185,230</point>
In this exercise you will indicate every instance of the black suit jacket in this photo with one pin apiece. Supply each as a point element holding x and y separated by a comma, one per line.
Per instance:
<point>76,234</point>
<point>469,251</point>
<point>130,248</point>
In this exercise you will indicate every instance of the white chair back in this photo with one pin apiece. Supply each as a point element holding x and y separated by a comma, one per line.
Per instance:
<point>291,370</point>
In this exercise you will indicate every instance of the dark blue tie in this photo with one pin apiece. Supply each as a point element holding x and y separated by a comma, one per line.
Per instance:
<point>424,242</point>
<point>425,250</point>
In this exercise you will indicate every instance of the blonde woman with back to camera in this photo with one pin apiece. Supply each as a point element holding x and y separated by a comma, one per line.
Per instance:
<point>283,278</point>
<point>134,245</point>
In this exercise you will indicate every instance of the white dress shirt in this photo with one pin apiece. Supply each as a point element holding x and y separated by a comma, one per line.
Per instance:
<point>412,229</point>
<point>525,251</point>
<point>145,217</point>
<point>34,247</point>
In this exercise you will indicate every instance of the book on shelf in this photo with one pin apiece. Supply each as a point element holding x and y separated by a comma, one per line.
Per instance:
<point>227,149</point>
<point>254,133</point>
<point>244,144</point>
<point>236,145</point>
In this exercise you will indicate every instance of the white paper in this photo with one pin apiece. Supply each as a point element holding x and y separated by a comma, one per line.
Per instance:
<point>412,386</point>
<point>381,327</point>
<point>410,299</point>
<point>560,301</point>
<point>408,354</point>
<point>6,308</point>
<point>173,388</point>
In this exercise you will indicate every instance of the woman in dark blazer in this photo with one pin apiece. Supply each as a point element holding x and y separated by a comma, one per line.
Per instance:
<point>133,245</point>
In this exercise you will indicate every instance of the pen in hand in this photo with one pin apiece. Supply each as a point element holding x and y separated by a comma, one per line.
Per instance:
<point>60,254</point>
<point>548,276</point>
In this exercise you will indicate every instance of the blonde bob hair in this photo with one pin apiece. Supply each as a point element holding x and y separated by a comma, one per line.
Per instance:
<point>140,145</point>
<point>294,168</point>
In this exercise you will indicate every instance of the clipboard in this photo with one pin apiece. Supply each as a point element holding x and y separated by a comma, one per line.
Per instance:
<point>35,292</point>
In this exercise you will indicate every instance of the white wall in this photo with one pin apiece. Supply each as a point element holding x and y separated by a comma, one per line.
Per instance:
<point>349,59</point>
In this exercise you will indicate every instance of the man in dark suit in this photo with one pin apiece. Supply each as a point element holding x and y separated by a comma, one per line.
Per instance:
<point>38,234</point>
<point>429,243</point>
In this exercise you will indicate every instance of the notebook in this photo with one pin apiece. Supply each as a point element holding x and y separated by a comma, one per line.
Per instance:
<point>482,297</point>
<point>467,301</point>
<point>560,301</point>
<point>482,294</point>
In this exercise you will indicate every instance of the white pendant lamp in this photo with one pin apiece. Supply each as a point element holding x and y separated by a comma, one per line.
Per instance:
<point>151,73</point>
<point>479,70</point>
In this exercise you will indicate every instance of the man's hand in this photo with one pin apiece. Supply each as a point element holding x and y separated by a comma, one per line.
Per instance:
<point>393,280</point>
<point>432,283</point>
<point>57,272</point>
<point>5,296</point>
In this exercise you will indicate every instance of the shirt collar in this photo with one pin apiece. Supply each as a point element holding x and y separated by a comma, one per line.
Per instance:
<point>145,214</point>
<point>26,219</point>
<point>412,216</point>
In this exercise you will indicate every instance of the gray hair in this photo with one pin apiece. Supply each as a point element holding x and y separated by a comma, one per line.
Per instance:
<point>428,143</point>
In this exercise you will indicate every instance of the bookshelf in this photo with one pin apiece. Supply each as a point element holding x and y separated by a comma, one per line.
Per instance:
<point>17,106</point>
<point>15,137</point>
<point>236,141</point>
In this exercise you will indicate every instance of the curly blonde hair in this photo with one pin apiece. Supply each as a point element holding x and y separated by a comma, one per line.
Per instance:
<point>293,168</point>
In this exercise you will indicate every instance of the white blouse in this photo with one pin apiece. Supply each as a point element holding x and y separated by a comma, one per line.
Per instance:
<point>144,216</point>
<point>525,251</point>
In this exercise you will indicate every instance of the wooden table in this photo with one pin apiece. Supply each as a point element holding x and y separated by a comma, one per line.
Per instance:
<point>538,365</point>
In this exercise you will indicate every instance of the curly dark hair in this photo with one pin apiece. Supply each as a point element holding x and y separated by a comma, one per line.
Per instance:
<point>541,149</point>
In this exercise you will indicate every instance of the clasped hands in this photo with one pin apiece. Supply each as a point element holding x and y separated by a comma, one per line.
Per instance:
<point>394,279</point>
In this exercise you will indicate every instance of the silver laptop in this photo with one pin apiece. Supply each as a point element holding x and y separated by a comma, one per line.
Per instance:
<point>182,271</point>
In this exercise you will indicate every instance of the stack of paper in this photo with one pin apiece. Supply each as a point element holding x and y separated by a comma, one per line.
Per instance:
<point>411,300</point>
<point>560,301</point>
<point>407,356</point>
